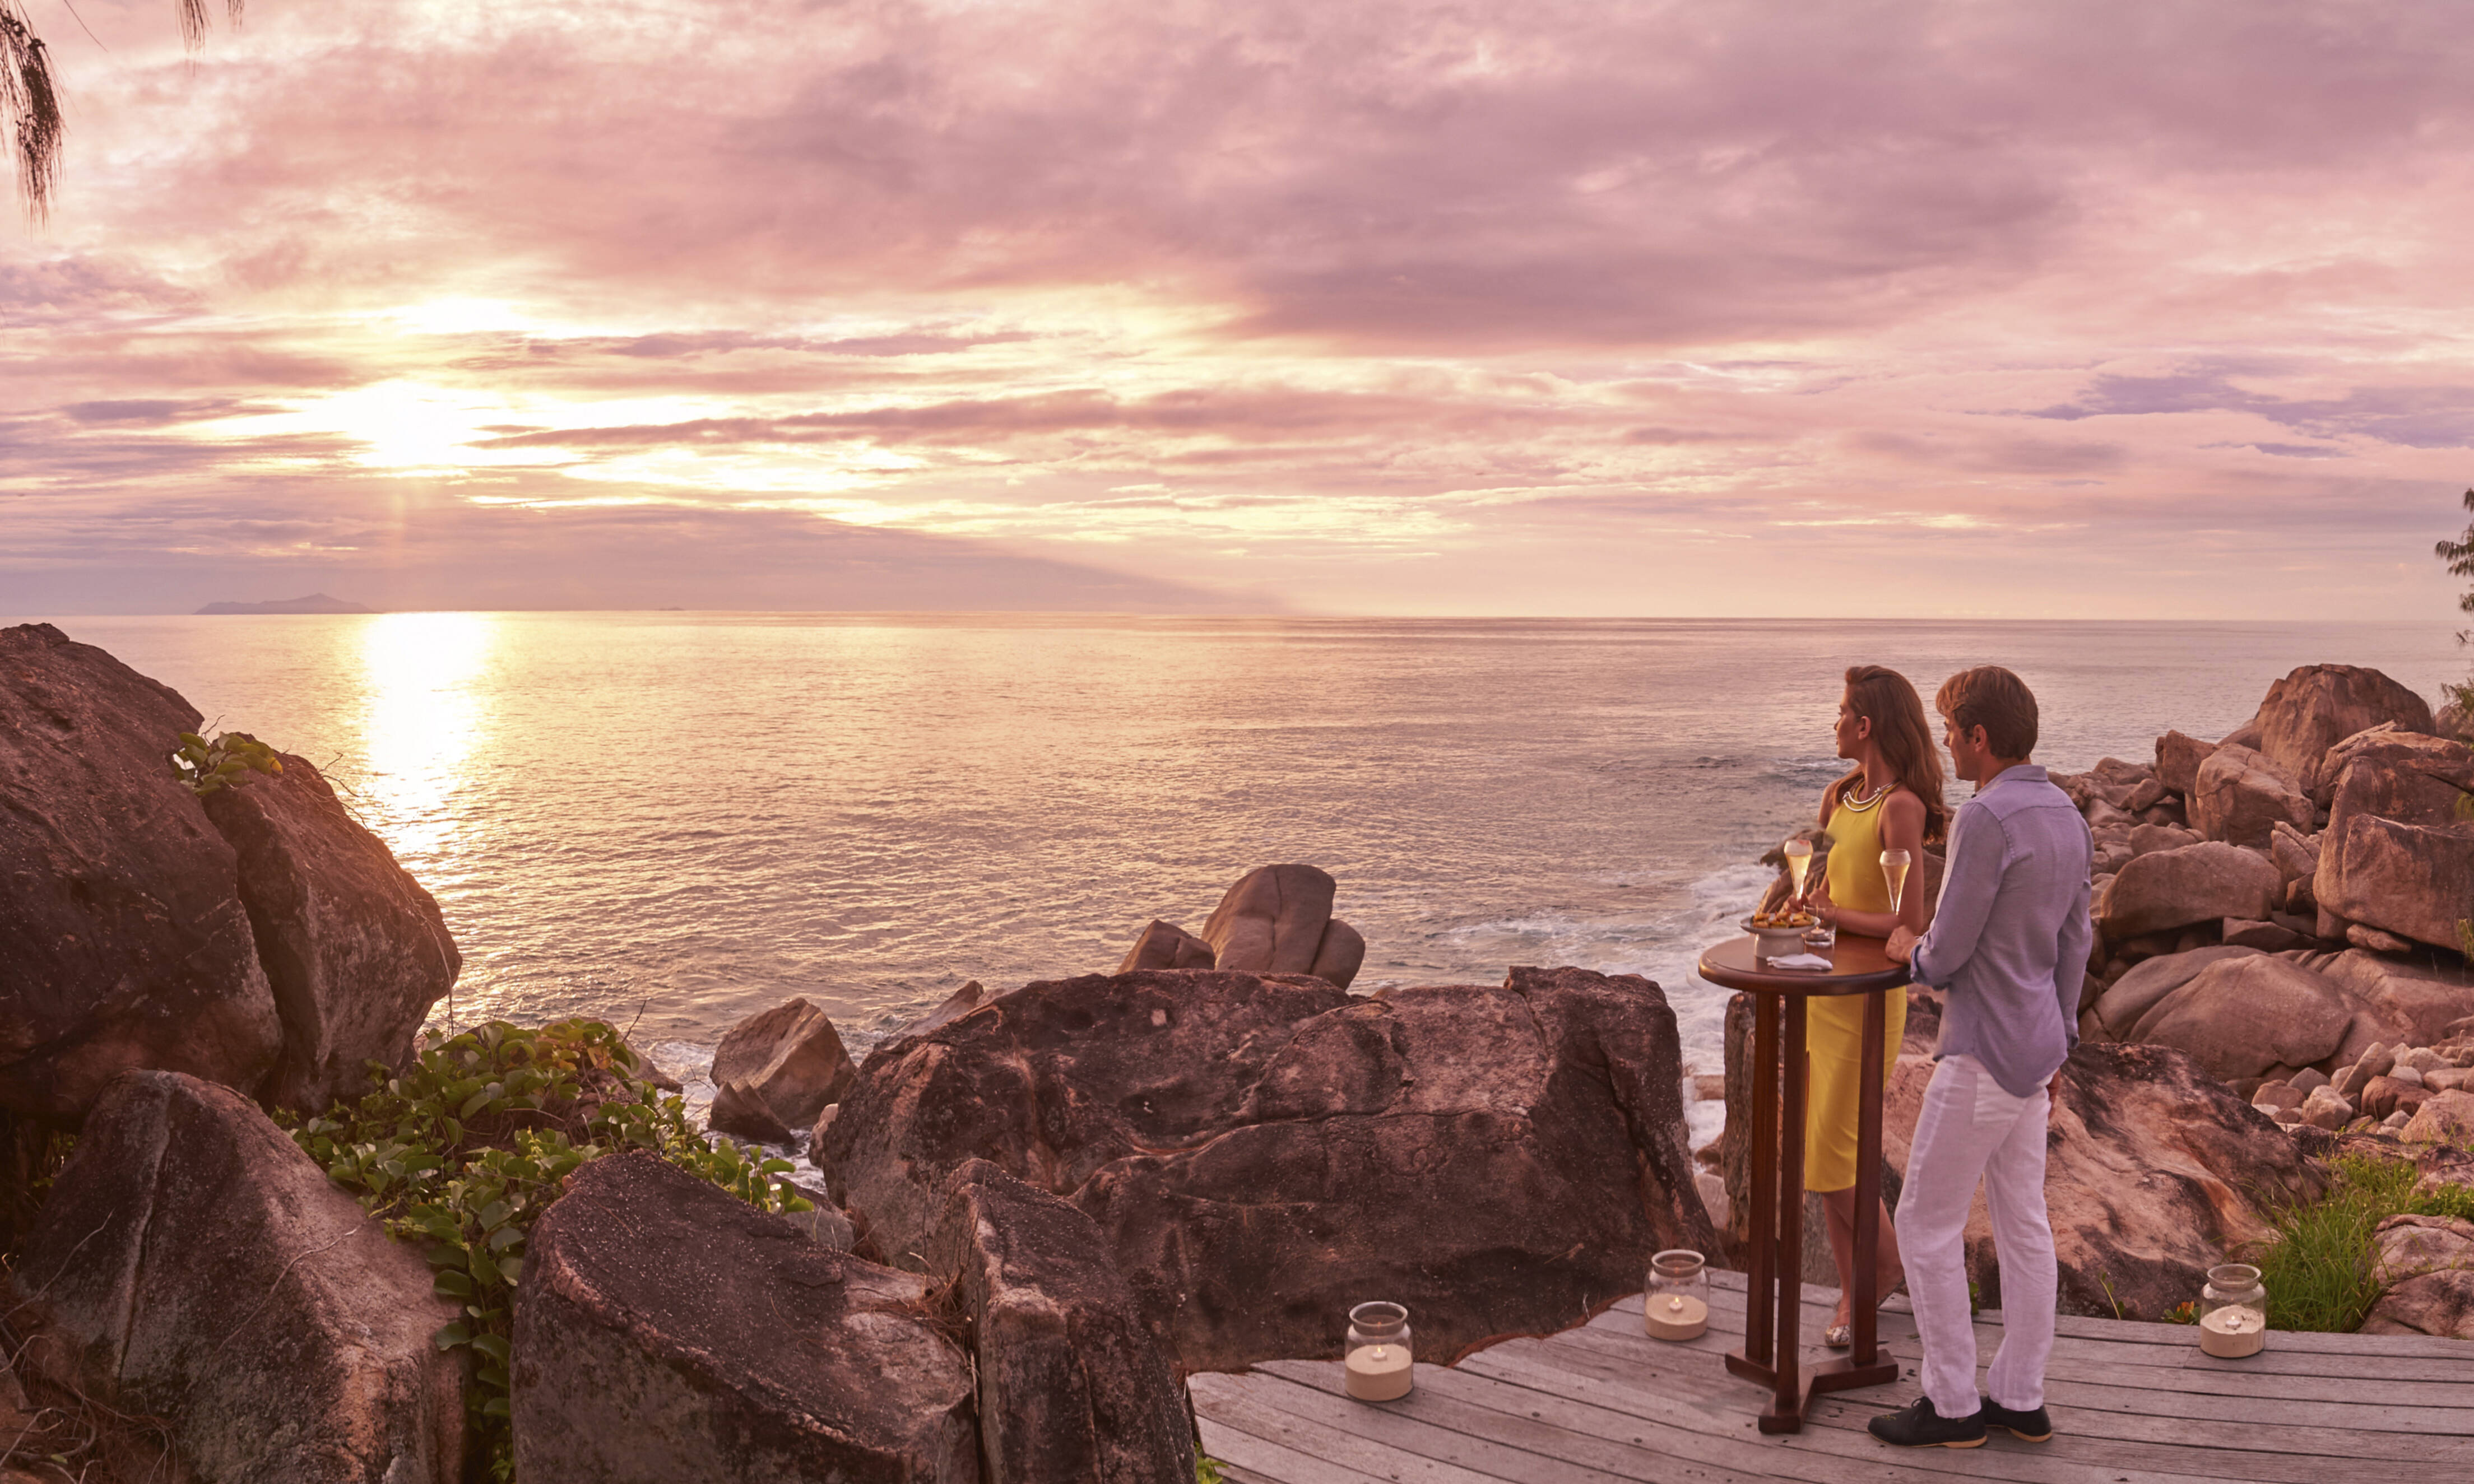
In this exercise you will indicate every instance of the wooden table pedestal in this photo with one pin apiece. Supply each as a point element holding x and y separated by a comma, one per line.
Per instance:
<point>1774,1265</point>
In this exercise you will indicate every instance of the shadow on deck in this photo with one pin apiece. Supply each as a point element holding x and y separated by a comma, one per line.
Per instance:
<point>2133,1403</point>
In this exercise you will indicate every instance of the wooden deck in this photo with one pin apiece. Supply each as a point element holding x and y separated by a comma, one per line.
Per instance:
<point>2133,1403</point>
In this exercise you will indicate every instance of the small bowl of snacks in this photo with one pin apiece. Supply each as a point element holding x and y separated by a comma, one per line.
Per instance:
<point>1779,934</point>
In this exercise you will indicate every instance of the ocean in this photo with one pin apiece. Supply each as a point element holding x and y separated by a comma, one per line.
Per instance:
<point>675,819</point>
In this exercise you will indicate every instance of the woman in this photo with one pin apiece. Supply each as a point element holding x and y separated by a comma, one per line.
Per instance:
<point>1890,801</point>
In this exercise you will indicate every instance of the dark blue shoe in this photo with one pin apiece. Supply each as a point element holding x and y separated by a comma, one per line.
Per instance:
<point>1918,1425</point>
<point>2032,1427</point>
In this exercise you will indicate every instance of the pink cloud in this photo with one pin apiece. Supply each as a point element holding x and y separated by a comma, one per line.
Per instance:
<point>1412,287</point>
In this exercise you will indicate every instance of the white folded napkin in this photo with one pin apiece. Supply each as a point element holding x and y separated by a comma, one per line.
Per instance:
<point>1797,960</point>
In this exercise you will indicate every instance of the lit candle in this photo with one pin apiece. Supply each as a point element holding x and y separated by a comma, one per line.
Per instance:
<point>2233,1332</point>
<point>1378,1373</point>
<point>1676,1317</point>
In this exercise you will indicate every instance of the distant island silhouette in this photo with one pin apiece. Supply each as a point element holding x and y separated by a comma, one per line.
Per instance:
<point>315,602</point>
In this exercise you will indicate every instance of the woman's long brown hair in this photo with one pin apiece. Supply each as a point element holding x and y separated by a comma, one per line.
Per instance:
<point>1896,712</point>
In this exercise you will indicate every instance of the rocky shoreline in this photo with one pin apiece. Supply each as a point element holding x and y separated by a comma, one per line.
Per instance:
<point>1041,1208</point>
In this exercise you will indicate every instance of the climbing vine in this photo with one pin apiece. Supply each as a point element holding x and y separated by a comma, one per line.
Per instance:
<point>466,1148</point>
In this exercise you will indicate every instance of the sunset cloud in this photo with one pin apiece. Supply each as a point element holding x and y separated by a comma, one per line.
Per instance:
<point>1566,307</point>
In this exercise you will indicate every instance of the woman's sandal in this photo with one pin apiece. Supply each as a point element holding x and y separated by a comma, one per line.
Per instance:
<point>1839,1337</point>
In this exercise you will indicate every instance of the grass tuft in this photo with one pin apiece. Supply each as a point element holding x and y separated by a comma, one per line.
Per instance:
<point>2321,1268</point>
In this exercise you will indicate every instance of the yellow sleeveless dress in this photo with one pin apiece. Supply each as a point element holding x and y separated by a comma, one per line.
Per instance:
<point>1834,1028</point>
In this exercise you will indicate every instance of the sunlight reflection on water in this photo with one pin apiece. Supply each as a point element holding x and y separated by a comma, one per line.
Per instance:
<point>692,817</point>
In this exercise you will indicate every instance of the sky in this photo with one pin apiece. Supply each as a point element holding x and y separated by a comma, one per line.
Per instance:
<point>2097,310</point>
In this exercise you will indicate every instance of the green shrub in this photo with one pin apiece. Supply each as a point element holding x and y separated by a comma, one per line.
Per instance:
<point>464,1150</point>
<point>2321,1267</point>
<point>225,762</point>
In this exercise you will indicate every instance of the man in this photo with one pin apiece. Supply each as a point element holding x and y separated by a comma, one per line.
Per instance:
<point>2007,945</point>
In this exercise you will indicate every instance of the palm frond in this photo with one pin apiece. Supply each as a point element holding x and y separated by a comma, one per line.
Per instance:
<point>30,105</point>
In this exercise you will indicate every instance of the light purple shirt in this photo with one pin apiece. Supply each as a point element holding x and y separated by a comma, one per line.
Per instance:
<point>2010,939</point>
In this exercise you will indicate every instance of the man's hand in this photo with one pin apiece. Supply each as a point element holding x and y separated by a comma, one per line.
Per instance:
<point>1901,947</point>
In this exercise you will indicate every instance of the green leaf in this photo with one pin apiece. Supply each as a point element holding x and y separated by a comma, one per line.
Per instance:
<point>512,1269</point>
<point>493,1346</point>
<point>499,1407</point>
<point>483,1267</point>
<point>452,1284</point>
<point>451,1336</point>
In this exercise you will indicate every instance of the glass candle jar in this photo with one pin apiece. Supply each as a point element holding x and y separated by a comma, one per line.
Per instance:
<point>1377,1368</point>
<point>2233,1312</point>
<point>1677,1304</point>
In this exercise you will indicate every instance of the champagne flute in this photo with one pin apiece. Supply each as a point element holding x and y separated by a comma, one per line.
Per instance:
<point>1799,860</point>
<point>1894,871</point>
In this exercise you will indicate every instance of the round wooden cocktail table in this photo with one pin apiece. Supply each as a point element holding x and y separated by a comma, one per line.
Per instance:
<point>1775,1280</point>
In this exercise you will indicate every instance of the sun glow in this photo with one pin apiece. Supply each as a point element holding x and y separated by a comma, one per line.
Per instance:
<point>427,713</point>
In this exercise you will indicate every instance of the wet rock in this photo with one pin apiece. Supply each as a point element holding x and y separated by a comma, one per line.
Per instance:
<point>790,1058</point>
<point>2173,889</point>
<point>193,1264</point>
<point>2178,758</point>
<point>962,1002</point>
<point>2427,1265</point>
<point>737,1109</point>
<point>1167,945</point>
<point>123,941</point>
<point>1260,1148</point>
<point>2153,1171</point>
<point>2239,1016</point>
<point>2316,707</point>
<point>666,1331</point>
<point>353,948</point>
<point>1070,1384</point>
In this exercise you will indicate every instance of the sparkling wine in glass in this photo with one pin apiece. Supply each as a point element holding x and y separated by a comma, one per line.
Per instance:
<point>1894,871</point>
<point>1799,860</point>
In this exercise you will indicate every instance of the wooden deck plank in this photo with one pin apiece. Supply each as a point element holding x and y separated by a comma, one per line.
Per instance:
<point>2453,1422</point>
<point>1447,1423</point>
<point>1682,1429</point>
<point>1837,1424</point>
<point>1603,1403</point>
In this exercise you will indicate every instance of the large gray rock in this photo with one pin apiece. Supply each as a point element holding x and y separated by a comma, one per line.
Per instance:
<point>2426,1270</point>
<point>353,948</point>
<point>1262,1151</point>
<point>1277,919</point>
<point>123,943</point>
<point>2241,798</point>
<point>2153,1170</point>
<point>1070,1384</point>
<point>2150,980</point>
<point>2398,854</point>
<point>2402,776</point>
<point>1167,945</point>
<point>666,1332</point>
<point>790,1058</point>
<point>2316,707</point>
<point>2240,1017</point>
<point>192,1264</point>
<point>2169,889</point>
<point>2177,761</point>
<point>2418,1001</point>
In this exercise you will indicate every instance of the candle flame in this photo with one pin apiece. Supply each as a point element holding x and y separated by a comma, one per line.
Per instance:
<point>1676,1303</point>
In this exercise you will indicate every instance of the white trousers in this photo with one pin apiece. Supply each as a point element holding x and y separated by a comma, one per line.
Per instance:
<point>1970,1130</point>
